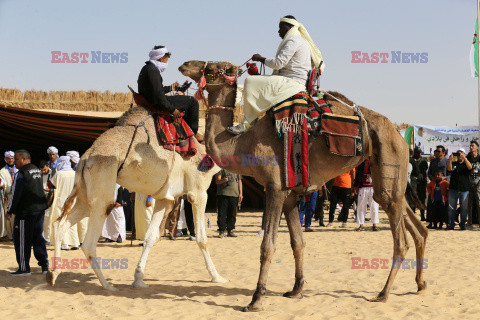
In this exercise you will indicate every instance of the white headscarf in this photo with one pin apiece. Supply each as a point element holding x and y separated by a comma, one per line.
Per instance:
<point>299,29</point>
<point>74,156</point>
<point>52,149</point>
<point>64,163</point>
<point>156,54</point>
<point>9,154</point>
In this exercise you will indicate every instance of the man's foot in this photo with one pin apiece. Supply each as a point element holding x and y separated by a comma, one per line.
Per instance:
<point>20,273</point>
<point>76,248</point>
<point>192,238</point>
<point>374,228</point>
<point>329,225</point>
<point>44,270</point>
<point>344,224</point>
<point>171,237</point>
<point>119,239</point>
<point>463,228</point>
<point>231,234</point>
<point>360,228</point>
<point>450,228</point>
<point>308,229</point>
<point>430,226</point>
<point>199,137</point>
<point>321,224</point>
<point>221,234</point>
<point>236,130</point>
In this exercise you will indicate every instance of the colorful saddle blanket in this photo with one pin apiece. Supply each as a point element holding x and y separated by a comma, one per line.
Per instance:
<point>172,134</point>
<point>298,117</point>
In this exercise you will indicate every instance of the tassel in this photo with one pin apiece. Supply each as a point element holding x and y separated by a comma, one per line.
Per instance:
<point>230,79</point>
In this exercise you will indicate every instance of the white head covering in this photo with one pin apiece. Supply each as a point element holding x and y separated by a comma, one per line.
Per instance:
<point>64,163</point>
<point>299,29</point>
<point>9,154</point>
<point>156,54</point>
<point>74,156</point>
<point>52,149</point>
<point>461,149</point>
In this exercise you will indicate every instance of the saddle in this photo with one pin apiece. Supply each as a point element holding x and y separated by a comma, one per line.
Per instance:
<point>172,134</point>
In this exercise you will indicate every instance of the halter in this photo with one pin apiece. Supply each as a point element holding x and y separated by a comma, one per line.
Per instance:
<point>202,83</point>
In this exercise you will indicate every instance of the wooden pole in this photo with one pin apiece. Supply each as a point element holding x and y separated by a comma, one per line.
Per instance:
<point>478,67</point>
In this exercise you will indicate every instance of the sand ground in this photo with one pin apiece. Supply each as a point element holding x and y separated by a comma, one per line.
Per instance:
<point>179,286</point>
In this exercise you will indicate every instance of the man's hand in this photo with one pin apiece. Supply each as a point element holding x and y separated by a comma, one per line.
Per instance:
<point>175,86</point>
<point>148,204</point>
<point>240,198</point>
<point>176,114</point>
<point>117,204</point>
<point>258,57</point>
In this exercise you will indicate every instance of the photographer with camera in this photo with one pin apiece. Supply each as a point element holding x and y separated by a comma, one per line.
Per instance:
<point>460,167</point>
<point>229,195</point>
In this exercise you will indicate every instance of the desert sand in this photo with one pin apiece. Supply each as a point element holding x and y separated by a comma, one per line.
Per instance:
<point>179,286</point>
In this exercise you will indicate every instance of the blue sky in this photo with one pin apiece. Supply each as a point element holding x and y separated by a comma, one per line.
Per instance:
<point>439,92</point>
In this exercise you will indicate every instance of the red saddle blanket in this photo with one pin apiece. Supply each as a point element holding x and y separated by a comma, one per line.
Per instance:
<point>172,134</point>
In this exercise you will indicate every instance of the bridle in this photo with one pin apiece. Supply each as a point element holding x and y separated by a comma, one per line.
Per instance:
<point>203,82</point>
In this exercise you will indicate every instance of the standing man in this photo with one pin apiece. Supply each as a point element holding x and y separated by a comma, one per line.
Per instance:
<point>46,176</point>
<point>53,157</point>
<point>458,190</point>
<point>341,192</point>
<point>74,158</point>
<point>364,185</point>
<point>296,55</point>
<point>229,195</point>
<point>306,209</point>
<point>28,204</point>
<point>474,195</point>
<point>439,162</point>
<point>7,175</point>
<point>418,177</point>
<point>150,86</point>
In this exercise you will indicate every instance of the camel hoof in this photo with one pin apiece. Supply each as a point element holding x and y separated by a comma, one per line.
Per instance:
<point>379,298</point>
<point>219,279</point>
<point>111,288</point>
<point>292,295</point>
<point>422,288</point>
<point>51,277</point>
<point>251,308</point>
<point>139,284</point>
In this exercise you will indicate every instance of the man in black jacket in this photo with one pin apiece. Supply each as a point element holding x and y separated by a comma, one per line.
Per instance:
<point>150,86</point>
<point>28,204</point>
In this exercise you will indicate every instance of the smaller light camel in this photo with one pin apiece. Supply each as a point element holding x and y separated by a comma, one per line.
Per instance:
<point>147,168</point>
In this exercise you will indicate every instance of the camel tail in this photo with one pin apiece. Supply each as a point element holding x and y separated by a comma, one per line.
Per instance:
<point>67,207</point>
<point>412,197</point>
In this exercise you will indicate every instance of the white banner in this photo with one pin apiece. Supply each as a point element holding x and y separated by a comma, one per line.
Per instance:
<point>428,139</point>
<point>453,130</point>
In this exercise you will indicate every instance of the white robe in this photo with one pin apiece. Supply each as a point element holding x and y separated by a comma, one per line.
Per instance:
<point>114,225</point>
<point>6,226</point>
<point>48,211</point>
<point>143,215</point>
<point>63,182</point>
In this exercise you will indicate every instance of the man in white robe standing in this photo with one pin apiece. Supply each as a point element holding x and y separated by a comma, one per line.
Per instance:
<point>7,175</point>
<point>63,181</point>
<point>297,54</point>
<point>82,225</point>
<point>53,158</point>
<point>144,205</point>
<point>114,227</point>
<point>46,176</point>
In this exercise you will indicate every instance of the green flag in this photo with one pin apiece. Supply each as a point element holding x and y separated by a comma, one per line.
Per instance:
<point>408,135</point>
<point>474,53</point>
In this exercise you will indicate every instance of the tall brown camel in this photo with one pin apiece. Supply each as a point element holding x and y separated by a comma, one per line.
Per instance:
<point>386,150</point>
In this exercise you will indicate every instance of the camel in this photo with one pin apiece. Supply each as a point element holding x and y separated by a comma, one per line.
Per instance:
<point>145,167</point>
<point>386,150</point>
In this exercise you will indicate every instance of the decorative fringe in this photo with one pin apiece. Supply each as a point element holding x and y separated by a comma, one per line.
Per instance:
<point>287,124</point>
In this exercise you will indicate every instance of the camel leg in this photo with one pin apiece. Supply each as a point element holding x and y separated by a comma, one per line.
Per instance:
<point>400,247</point>
<point>419,233</point>
<point>199,204</point>
<point>274,203</point>
<point>59,229</point>
<point>89,246</point>
<point>151,237</point>
<point>297,243</point>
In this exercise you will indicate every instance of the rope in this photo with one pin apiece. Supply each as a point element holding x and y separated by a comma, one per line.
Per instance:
<point>141,124</point>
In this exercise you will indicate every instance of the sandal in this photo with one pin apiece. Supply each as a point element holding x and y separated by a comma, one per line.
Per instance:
<point>359,228</point>
<point>374,228</point>
<point>344,225</point>
<point>235,130</point>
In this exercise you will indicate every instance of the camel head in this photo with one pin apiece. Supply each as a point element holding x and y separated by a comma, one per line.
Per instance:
<point>214,72</point>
